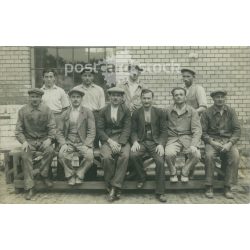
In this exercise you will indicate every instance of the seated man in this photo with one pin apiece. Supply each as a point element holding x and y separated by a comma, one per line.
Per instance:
<point>184,134</point>
<point>114,130</point>
<point>35,129</point>
<point>148,134</point>
<point>75,135</point>
<point>221,131</point>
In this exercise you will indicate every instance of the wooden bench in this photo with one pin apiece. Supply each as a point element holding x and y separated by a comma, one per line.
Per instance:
<point>15,175</point>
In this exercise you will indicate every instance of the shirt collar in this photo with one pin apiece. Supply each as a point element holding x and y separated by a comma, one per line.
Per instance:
<point>32,108</point>
<point>216,110</point>
<point>91,85</point>
<point>185,109</point>
<point>76,109</point>
<point>138,82</point>
<point>44,87</point>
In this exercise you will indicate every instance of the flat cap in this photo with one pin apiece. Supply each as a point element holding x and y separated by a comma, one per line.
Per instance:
<point>178,88</point>
<point>76,90</point>
<point>115,90</point>
<point>137,67</point>
<point>219,91</point>
<point>35,91</point>
<point>188,70</point>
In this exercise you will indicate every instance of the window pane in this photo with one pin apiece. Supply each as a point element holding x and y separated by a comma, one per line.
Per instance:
<point>65,81</point>
<point>37,77</point>
<point>96,54</point>
<point>65,55</point>
<point>45,57</point>
<point>110,52</point>
<point>80,55</point>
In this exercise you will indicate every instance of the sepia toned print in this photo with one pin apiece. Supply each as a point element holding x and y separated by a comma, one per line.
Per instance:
<point>124,124</point>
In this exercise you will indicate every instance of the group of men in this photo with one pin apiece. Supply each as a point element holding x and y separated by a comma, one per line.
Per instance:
<point>126,129</point>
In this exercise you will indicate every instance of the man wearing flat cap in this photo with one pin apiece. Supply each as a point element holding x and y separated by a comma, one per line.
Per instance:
<point>221,131</point>
<point>132,88</point>
<point>113,128</point>
<point>196,96</point>
<point>184,134</point>
<point>75,135</point>
<point>35,129</point>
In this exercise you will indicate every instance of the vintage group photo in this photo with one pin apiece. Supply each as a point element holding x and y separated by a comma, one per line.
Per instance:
<point>125,125</point>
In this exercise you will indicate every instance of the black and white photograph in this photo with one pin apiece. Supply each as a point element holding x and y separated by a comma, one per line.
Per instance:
<point>125,124</point>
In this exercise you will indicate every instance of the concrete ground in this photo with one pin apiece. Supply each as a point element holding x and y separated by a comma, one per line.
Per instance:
<point>8,196</point>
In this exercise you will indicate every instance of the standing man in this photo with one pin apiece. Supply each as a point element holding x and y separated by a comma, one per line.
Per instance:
<point>54,97</point>
<point>132,98</point>
<point>221,131</point>
<point>94,98</point>
<point>196,96</point>
<point>35,129</point>
<point>114,126</point>
<point>76,133</point>
<point>184,133</point>
<point>132,88</point>
<point>149,134</point>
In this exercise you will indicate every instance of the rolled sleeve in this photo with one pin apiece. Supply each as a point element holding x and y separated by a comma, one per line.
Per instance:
<point>201,96</point>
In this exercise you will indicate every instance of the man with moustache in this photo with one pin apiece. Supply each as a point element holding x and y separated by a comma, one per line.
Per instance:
<point>76,133</point>
<point>149,134</point>
<point>184,133</point>
<point>196,96</point>
<point>35,130</point>
<point>54,97</point>
<point>221,131</point>
<point>114,126</point>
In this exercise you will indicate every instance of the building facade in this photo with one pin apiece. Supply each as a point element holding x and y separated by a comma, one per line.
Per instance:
<point>216,67</point>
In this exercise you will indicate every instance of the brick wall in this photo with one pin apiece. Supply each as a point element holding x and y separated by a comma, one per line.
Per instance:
<point>216,67</point>
<point>15,76</point>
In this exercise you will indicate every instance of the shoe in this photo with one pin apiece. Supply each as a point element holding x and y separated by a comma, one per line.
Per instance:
<point>30,193</point>
<point>112,195</point>
<point>118,193</point>
<point>161,198</point>
<point>209,193</point>
<point>72,181</point>
<point>228,193</point>
<point>140,184</point>
<point>47,182</point>
<point>173,178</point>
<point>184,178</point>
<point>78,180</point>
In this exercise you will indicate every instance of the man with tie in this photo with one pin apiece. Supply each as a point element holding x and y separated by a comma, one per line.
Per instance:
<point>113,128</point>
<point>149,134</point>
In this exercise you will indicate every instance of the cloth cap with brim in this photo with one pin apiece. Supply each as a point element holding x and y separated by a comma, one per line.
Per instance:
<point>134,67</point>
<point>188,70</point>
<point>76,90</point>
<point>220,91</point>
<point>115,90</point>
<point>36,91</point>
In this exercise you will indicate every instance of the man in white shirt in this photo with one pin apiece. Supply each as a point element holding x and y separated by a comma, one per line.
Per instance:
<point>54,97</point>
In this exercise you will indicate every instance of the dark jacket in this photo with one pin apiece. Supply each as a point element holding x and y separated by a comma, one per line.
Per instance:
<point>106,127</point>
<point>158,125</point>
<point>85,127</point>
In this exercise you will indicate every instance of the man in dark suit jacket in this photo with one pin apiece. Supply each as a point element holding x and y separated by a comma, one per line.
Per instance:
<point>113,128</point>
<point>149,134</point>
<point>75,135</point>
